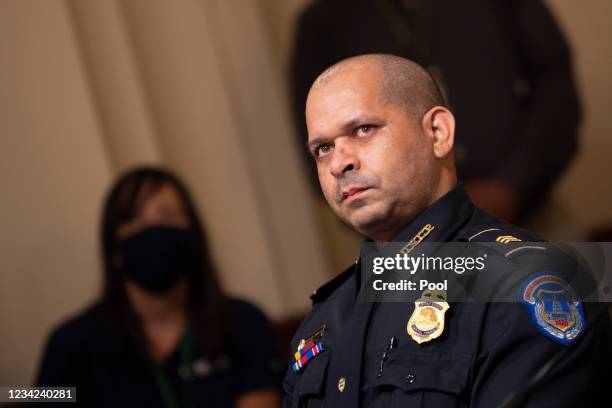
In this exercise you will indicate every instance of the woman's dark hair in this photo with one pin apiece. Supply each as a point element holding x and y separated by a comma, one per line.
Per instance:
<point>207,311</point>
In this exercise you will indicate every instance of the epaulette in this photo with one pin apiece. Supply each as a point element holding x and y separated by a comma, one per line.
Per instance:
<point>506,240</point>
<point>328,288</point>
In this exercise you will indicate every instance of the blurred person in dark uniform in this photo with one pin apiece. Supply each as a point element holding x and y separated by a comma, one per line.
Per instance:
<point>163,333</point>
<point>382,140</point>
<point>503,67</point>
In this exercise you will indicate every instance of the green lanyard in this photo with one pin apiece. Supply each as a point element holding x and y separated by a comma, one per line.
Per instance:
<point>170,400</point>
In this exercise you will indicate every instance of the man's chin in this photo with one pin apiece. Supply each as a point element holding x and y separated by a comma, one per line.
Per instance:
<point>365,219</point>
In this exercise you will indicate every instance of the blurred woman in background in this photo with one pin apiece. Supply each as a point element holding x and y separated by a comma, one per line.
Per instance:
<point>163,333</point>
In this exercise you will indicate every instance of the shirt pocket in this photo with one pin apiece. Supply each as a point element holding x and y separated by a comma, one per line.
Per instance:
<point>308,392</point>
<point>412,379</point>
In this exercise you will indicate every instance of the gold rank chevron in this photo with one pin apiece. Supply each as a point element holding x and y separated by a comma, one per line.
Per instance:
<point>505,239</point>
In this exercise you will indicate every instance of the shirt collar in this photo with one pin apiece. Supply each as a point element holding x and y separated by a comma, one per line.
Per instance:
<point>446,215</point>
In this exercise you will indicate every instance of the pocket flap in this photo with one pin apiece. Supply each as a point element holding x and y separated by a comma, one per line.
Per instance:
<point>312,378</point>
<point>424,371</point>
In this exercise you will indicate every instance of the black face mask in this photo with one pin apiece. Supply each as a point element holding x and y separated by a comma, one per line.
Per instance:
<point>156,257</point>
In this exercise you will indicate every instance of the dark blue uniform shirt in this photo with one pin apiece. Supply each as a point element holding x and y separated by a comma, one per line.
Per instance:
<point>486,351</point>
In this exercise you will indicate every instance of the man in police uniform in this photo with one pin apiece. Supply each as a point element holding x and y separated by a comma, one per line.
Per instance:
<point>513,52</point>
<point>382,140</point>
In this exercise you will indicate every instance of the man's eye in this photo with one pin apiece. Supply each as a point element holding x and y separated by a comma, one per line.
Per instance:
<point>365,129</point>
<point>322,150</point>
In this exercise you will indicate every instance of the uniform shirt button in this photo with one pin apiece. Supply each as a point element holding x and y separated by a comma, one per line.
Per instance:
<point>410,378</point>
<point>341,384</point>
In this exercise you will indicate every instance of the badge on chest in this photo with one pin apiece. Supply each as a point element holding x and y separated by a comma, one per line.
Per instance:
<point>427,320</point>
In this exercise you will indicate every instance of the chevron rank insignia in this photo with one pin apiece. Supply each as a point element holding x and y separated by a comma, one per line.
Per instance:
<point>506,239</point>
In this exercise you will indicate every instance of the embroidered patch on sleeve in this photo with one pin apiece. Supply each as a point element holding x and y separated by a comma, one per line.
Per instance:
<point>554,308</point>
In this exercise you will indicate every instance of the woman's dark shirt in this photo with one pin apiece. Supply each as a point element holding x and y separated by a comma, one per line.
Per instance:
<point>86,353</point>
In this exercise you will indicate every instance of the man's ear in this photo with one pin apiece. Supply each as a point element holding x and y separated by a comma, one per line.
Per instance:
<point>439,125</point>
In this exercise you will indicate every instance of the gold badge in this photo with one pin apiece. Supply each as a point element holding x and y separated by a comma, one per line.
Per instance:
<point>427,320</point>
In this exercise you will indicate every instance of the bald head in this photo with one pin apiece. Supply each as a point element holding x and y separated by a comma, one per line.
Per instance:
<point>401,81</point>
<point>382,140</point>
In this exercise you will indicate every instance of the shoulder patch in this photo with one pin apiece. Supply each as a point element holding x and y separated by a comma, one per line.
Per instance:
<point>553,306</point>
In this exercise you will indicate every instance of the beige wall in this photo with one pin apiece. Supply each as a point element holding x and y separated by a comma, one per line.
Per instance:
<point>587,187</point>
<point>92,88</point>
<point>53,169</point>
<point>279,17</point>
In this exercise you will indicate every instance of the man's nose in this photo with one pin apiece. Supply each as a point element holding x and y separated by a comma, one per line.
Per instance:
<point>344,158</point>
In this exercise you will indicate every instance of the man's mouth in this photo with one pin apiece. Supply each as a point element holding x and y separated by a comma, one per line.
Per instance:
<point>353,192</point>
